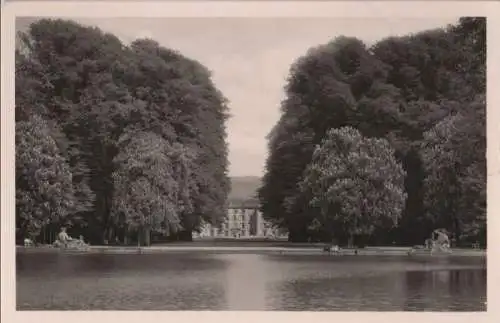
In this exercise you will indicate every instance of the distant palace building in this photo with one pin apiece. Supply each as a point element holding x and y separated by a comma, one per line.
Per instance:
<point>242,220</point>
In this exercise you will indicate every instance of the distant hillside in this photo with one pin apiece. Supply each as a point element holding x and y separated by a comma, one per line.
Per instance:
<point>244,189</point>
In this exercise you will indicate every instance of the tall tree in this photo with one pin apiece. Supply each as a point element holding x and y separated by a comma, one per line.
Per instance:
<point>152,184</point>
<point>94,92</point>
<point>319,97</point>
<point>454,153</point>
<point>332,86</point>
<point>356,183</point>
<point>181,99</point>
<point>77,63</point>
<point>398,89</point>
<point>44,186</point>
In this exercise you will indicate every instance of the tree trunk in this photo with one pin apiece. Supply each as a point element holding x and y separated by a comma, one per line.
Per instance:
<point>147,237</point>
<point>111,235</point>
<point>350,240</point>
<point>125,236</point>
<point>104,236</point>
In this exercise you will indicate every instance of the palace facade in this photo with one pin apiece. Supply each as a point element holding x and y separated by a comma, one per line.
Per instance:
<point>240,222</point>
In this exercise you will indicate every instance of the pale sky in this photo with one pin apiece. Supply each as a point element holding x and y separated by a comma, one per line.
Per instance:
<point>250,59</point>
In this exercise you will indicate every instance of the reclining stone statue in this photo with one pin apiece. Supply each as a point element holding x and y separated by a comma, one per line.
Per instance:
<point>441,241</point>
<point>66,242</point>
<point>438,242</point>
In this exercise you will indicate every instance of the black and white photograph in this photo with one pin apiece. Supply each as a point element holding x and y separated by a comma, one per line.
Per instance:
<point>316,164</point>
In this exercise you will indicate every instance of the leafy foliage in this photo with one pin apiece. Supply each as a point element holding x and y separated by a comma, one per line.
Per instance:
<point>142,197</point>
<point>406,90</point>
<point>44,186</point>
<point>355,182</point>
<point>104,101</point>
<point>454,152</point>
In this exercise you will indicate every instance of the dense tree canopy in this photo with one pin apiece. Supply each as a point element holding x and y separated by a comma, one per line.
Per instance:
<point>355,183</point>
<point>411,91</point>
<point>142,199</point>
<point>455,185</point>
<point>44,185</point>
<point>129,141</point>
<point>114,111</point>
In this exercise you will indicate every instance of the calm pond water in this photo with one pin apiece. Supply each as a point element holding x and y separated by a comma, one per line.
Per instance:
<point>200,281</point>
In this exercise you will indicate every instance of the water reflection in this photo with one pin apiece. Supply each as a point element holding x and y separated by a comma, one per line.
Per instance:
<point>120,282</point>
<point>200,281</point>
<point>450,290</point>
<point>245,270</point>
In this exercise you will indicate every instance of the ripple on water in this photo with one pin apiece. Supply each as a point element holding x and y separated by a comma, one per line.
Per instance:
<point>197,281</point>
